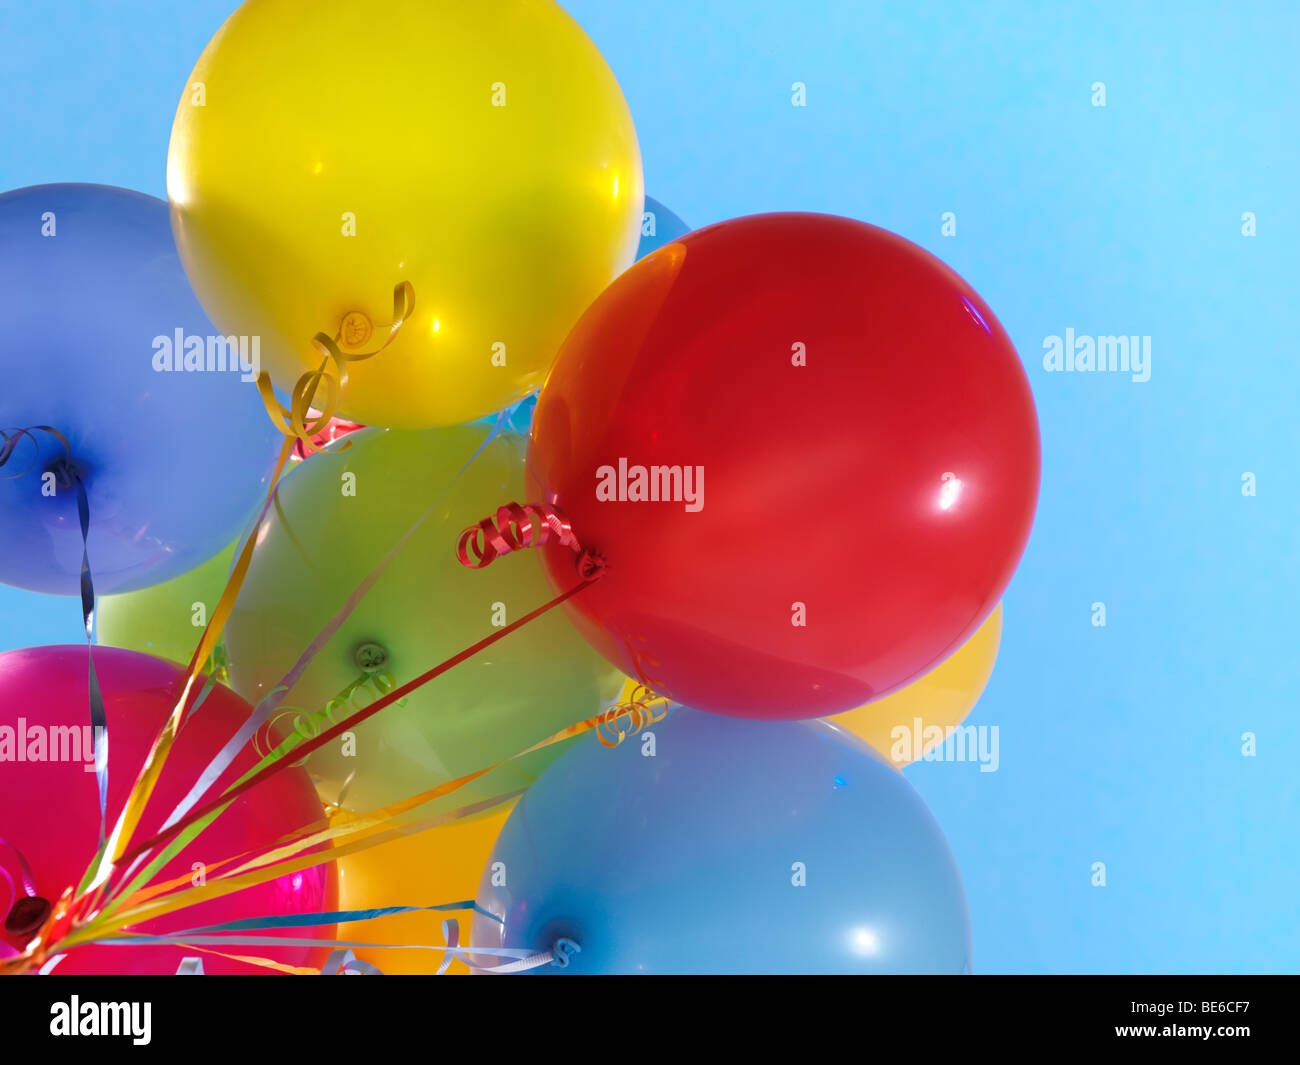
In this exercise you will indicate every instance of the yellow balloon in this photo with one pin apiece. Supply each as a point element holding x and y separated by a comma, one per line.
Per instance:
<point>326,152</point>
<point>940,699</point>
<point>439,865</point>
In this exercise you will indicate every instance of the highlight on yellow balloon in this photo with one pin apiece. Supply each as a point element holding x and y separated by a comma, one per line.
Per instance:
<point>326,155</point>
<point>428,868</point>
<point>915,719</point>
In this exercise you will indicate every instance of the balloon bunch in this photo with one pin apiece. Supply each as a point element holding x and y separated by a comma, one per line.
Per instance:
<point>538,444</point>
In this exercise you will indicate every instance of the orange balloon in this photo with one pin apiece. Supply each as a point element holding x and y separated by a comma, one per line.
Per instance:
<point>428,868</point>
<point>931,704</point>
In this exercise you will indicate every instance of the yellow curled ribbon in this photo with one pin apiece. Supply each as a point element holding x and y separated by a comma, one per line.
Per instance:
<point>292,421</point>
<point>638,709</point>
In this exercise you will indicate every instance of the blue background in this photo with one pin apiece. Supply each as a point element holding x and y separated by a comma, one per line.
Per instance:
<point>1120,744</point>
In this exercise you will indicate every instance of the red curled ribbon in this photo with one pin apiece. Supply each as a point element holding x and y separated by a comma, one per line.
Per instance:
<point>334,430</point>
<point>513,528</point>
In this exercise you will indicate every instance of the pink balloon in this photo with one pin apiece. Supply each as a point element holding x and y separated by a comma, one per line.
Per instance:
<point>49,801</point>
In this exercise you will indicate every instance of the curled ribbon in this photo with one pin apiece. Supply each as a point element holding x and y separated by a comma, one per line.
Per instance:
<point>345,963</point>
<point>10,444</point>
<point>517,526</point>
<point>26,912</point>
<point>335,430</point>
<point>403,306</point>
<point>639,710</point>
<point>295,421</point>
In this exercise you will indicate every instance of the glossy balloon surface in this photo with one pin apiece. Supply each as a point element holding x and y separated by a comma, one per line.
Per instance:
<point>336,518</point>
<point>49,799</point>
<point>325,151</point>
<point>95,302</point>
<point>737,847</point>
<point>808,454</point>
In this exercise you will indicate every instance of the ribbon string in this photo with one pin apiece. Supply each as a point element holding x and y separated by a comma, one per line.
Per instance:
<point>296,430</point>
<point>74,919</point>
<point>638,709</point>
<point>343,829</point>
<point>315,920</point>
<point>352,833</point>
<point>305,748</point>
<point>341,956</point>
<point>345,963</point>
<point>358,832</point>
<point>67,475</point>
<point>98,719</point>
<point>270,702</point>
<point>558,955</point>
<point>112,852</point>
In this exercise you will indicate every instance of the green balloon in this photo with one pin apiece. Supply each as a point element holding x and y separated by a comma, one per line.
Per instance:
<point>165,619</point>
<point>333,522</point>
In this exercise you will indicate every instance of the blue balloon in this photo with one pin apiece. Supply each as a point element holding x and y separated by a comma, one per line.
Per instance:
<point>727,846</point>
<point>104,341</point>
<point>515,419</point>
<point>659,226</point>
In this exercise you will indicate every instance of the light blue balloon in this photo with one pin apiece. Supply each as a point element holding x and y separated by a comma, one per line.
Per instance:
<point>659,226</point>
<point>735,847</point>
<point>519,418</point>
<point>174,462</point>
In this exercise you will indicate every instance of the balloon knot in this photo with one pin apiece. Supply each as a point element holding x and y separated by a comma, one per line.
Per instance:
<point>562,951</point>
<point>67,474</point>
<point>27,915</point>
<point>591,565</point>
<point>371,657</point>
<point>307,419</point>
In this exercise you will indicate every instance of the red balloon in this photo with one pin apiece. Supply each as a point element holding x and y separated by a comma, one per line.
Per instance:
<point>49,802</point>
<point>806,450</point>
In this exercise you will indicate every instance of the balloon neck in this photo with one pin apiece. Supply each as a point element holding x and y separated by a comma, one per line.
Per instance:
<point>355,329</point>
<point>27,915</point>
<point>29,910</point>
<point>591,564</point>
<point>563,951</point>
<point>68,473</point>
<point>371,657</point>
